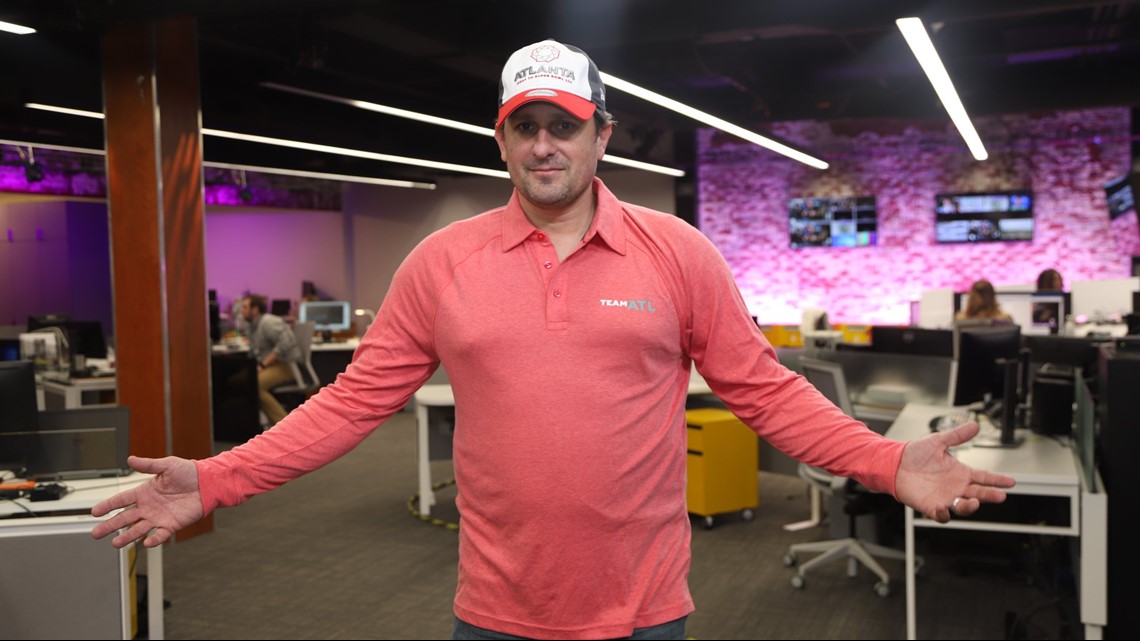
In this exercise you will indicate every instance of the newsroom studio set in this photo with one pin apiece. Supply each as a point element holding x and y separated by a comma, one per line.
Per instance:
<point>216,217</point>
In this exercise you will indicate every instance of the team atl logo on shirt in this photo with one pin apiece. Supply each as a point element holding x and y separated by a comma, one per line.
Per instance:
<point>631,305</point>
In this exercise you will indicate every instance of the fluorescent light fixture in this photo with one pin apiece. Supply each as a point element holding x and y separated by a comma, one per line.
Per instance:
<point>454,124</point>
<point>355,153</point>
<point>617,83</point>
<point>384,109</point>
<point>915,33</point>
<point>19,30</point>
<point>264,170</point>
<point>386,182</point>
<point>308,146</point>
<point>64,110</point>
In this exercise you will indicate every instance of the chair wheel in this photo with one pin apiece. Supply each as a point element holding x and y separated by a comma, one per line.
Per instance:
<point>747,514</point>
<point>709,522</point>
<point>798,582</point>
<point>882,589</point>
<point>790,559</point>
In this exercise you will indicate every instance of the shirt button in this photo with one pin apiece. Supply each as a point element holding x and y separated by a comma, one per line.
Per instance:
<point>558,293</point>
<point>548,264</point>
<point>541,236</point>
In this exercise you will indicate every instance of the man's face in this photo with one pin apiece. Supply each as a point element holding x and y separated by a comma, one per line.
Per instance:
<point>552,156</point>
<point>246,310</point>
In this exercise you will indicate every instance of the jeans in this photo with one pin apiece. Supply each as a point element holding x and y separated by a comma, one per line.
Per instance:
<point>671,630</point>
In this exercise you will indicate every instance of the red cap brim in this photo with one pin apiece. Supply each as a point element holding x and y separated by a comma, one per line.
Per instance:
<point>576,106</point>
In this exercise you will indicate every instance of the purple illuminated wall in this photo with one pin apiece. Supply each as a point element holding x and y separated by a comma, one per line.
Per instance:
<point>1064,158</point>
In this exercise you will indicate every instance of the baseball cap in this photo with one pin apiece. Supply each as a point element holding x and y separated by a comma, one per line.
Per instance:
<point>551,72</point>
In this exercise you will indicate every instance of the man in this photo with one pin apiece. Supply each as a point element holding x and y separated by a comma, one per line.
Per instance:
<point>568,322</point>
<point>273,344</point>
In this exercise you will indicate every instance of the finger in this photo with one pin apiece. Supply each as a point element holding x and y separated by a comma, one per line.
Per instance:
<point>965,506</point>
<point>990,479</point>
<point>157,537</point>
<point>987,494</point>
<point>131,534</point>
<point>147,465</point>
<point>122,499</point>
<point>958,435</point>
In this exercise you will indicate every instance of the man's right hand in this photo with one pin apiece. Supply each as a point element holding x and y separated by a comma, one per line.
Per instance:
<point>156,509</point>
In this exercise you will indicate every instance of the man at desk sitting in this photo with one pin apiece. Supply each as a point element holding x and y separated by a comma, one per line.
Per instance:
<point>273,344</point>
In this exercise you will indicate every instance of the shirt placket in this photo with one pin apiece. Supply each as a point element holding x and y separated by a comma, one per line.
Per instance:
<point>554,278</point>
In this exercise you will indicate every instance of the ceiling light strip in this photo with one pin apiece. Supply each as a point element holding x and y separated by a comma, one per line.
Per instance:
<point>308,146</point>
<point>355,153</point>
<point>19,30</point>
<point>915,33</point>
<point>387,182</point>
<point>712,121</point>
<point>454,124</point>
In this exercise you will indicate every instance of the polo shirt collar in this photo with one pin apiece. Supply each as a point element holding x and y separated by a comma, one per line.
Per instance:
<point>607,223</point>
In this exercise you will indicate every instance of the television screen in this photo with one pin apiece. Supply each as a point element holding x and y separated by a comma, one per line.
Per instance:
<point>1118,194</point>
<point>847,221</point>
<point>983,217</point>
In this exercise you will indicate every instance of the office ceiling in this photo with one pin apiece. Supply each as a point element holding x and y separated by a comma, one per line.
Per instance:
<point>749,62</point>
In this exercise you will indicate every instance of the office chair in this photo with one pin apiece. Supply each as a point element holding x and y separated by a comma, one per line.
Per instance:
<point>828,378</point>
<point>816,330</point>
<point>304,376</point>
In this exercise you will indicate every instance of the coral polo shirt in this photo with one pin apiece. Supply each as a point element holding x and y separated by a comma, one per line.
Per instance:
<point>570,382</point>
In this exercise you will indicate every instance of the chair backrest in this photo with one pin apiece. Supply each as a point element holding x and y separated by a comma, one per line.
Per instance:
<point>303,370</point>
<point>814,319</point>
<point>828,378</point>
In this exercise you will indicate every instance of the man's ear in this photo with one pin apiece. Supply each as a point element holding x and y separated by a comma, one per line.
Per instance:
<point>604,139</point>
<point>502,143</point>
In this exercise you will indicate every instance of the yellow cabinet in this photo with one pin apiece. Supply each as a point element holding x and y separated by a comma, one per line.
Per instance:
<point>723,465</point>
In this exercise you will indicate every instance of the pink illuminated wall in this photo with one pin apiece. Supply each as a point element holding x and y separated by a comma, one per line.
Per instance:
<point>1064,158</point>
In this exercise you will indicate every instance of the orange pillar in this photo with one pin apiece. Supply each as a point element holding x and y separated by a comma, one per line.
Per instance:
<point>154,188</point>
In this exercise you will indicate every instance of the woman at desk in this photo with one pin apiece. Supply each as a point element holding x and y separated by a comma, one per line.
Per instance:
<point>981,304</point>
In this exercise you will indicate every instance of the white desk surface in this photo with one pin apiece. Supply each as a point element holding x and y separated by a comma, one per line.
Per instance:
<point>84,495</point>
<point>1041,466</point>
<point>1039,461</point>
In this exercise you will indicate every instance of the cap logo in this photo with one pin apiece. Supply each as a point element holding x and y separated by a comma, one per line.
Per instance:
<point>545,53</point>
<point>543,70</point>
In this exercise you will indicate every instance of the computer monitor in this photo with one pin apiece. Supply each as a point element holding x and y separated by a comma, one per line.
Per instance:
<point>1034,312</point>
<point>915,341</point>
<point>86,337</point>
<point>47,320</point>
<point>327,316</point>
<point>1063,353</point>
<point>18,407</point>
<point>987,369</point>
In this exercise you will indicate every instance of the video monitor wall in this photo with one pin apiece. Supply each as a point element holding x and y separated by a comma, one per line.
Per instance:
<point>848,221</point>
<point>983,217</point>
<point>1118,196</point>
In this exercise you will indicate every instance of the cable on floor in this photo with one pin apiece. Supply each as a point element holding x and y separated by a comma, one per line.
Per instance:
<point>414,500</point>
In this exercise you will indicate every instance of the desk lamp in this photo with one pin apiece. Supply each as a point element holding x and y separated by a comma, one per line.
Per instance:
<point>361,311</point>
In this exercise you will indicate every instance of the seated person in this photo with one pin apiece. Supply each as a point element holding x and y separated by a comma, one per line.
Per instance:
<point>1050,281</point>
<point>981,304</point>
<point>273,344</point>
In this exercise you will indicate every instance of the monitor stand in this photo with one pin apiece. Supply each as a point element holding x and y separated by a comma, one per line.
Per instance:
<point>326,336</point>
<point>1009,413</point>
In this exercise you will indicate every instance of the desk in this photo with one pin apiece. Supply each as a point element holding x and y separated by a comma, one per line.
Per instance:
<point>430,396</point>
<point>80,392</point>
<point>55,554</point>
<point>1041,466</point>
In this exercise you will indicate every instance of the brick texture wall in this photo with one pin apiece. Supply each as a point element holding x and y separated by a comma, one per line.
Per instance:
<point>1064,158</point>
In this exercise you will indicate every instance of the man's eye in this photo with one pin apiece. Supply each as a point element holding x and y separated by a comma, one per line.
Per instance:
<point>525,127</point>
